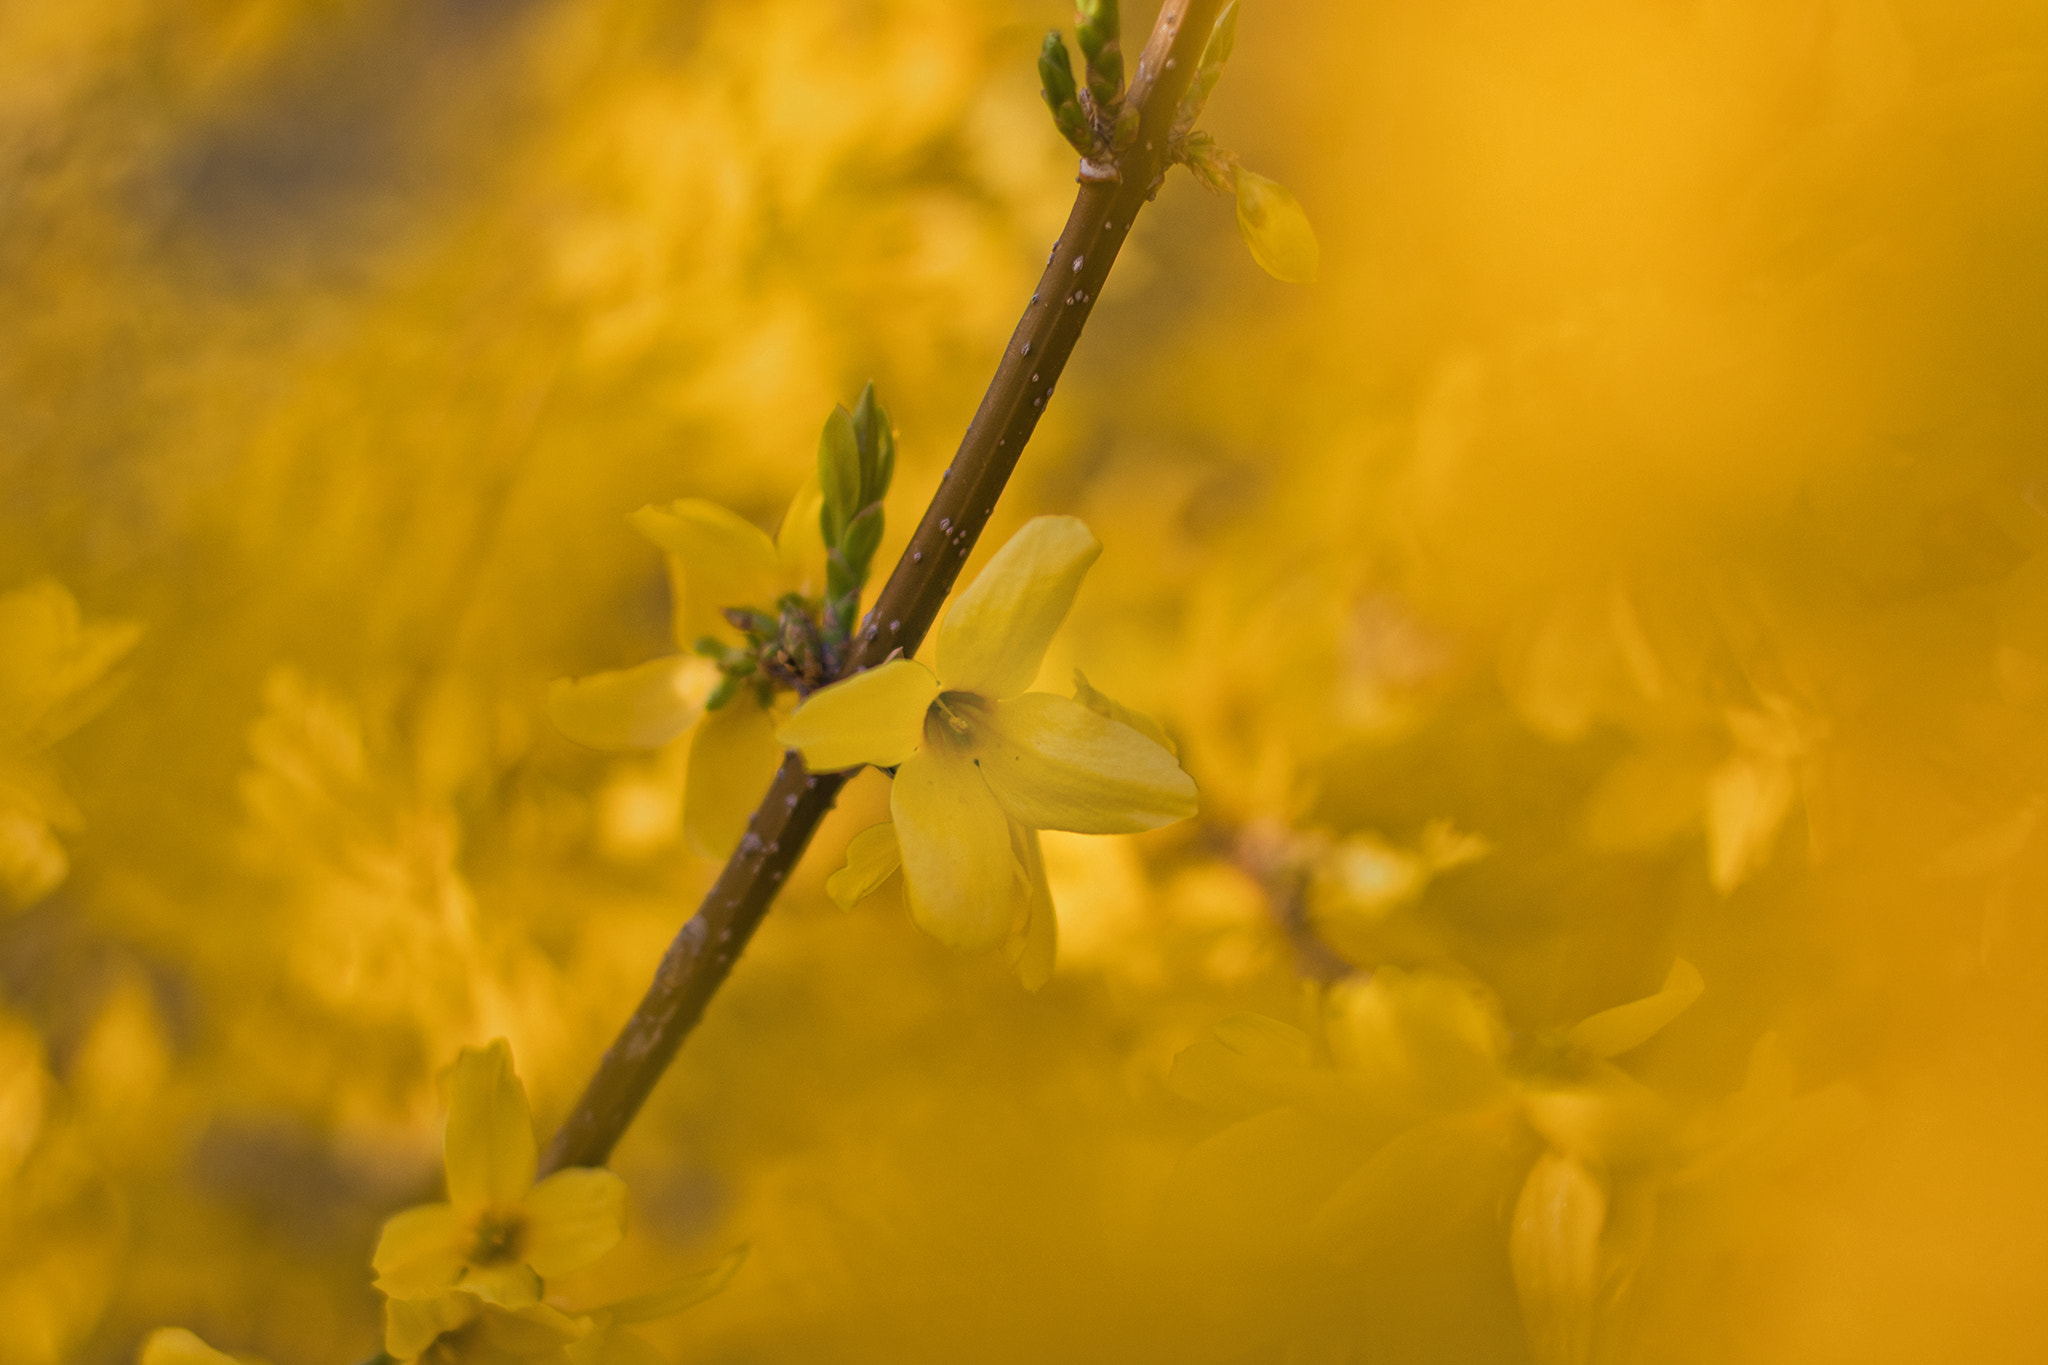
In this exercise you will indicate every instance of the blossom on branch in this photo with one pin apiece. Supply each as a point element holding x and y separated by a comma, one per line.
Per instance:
<point>500,1233</point>
<point>717,560</point>
<point>981,765</point>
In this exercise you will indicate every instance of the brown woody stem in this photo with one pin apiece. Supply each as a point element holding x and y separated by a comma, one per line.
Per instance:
<point>697,961</point>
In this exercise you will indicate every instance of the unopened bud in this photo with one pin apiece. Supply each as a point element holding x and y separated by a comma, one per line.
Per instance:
<point>1276,229</point>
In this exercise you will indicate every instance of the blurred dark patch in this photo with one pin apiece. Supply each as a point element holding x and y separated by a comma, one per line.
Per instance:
<point>287,1180</point>
<point>331,154</point>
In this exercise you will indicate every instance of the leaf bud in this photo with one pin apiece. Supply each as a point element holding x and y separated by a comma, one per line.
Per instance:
<point>1097,29</point>
<point>838,475</point>
<point>1209,70</point>
<point>877,446</point>
<point>1055,72</point>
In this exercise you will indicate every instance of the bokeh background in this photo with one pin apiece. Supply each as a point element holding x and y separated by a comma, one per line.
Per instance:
<point>1631,548</point>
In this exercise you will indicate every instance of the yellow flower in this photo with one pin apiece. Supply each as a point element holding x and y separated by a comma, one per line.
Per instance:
<point>981,764</point>
<point>500,1233</point>
<point>717,559</point>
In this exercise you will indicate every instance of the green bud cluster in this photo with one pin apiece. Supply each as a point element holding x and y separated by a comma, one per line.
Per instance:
<point>1056,84</point>
<point>856,461</point>
<point>803,643</point>
<point>1090,112</point>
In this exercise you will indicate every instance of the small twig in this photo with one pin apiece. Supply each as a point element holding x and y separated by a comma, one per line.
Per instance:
<point>1267,854</point>
<point>697,961</point>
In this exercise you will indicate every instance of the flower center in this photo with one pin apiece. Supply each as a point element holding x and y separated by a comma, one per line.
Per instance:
<point>500,1240</point>
<point>950,722</point>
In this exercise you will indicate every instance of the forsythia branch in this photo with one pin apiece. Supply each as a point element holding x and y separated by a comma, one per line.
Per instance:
<point>697,961</point>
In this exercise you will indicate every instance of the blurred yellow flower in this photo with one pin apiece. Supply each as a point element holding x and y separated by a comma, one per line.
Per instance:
<point>54,674</point>
<point>176,1346</point>
<point>717,559</point>
<point>981,764</point>
<point>1423,1066</point>
<point>500,1233</point>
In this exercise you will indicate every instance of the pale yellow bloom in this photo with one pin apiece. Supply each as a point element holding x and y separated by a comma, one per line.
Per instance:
<point>500,1234</point>
<point>981,764</point>
<point>717,559</point>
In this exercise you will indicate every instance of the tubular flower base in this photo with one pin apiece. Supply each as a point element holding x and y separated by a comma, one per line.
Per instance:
<point>981,765</point>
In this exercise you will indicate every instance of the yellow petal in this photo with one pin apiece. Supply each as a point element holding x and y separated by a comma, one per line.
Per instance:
<point>411,1325</point>
<point>733,758</point>
<point>176,1346</point>
<point>873,717</point>
<point>532,1331</point>
<point>1276,229</point>
<point>515,1284</point>
<point>872,857</point>
<point>717,558</point>
<point>958,871</point>
<point>1035,946</point>
<point>1054,764</point>
<point>1442,1173</point>
<point>572,1218</point>
<point>799,544</point>
<point>421,1251</point>
<point>1554,1249</point>
<point>996,633</point>
<point>643,707</point>
<point>489,1147</point>
<point>674,1297</point>
<point>1613,1120</point>
<point>1613,1032</point>
<point>1104,705</point>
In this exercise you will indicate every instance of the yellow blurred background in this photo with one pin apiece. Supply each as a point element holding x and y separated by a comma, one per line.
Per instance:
<point>1630,550</point>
